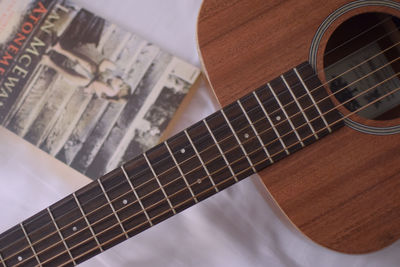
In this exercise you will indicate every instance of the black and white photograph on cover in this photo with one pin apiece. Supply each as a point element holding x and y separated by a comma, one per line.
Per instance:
<point>97,96</point>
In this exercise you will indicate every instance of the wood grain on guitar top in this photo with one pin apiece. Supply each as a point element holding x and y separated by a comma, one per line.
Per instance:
<point>343,191</point>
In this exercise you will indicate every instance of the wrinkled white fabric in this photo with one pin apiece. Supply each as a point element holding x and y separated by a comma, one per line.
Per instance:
<point>240,226</point>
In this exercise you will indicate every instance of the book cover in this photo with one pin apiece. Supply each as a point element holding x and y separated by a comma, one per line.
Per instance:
<point>81,88</point>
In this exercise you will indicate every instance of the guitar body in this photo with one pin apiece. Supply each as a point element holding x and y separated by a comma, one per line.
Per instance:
<point>343,191</point>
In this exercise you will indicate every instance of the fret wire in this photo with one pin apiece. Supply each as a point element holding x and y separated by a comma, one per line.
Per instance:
<point>254,129</point>
<point>220,150</point>
<point>238,140</point>
<point>298,105</point>
<point>312,99</point>
<point>201,160</point>
<point>61,236</point>
<point>30,243</point>
<point>284,112</point>
<point>159,183</point>
<point>181,172</point>
<point>271,123</point>
<point>87,221</point>
<point>112,208</point>
<point>136,195</point>
<point>2,261</point>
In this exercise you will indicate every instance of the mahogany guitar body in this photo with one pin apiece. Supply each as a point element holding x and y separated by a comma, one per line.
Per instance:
<point>343,191</point>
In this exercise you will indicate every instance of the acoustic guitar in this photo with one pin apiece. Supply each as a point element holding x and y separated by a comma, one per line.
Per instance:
<point>311,96</point>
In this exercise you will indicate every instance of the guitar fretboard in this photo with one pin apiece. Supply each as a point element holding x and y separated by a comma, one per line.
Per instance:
<point>261,128</point>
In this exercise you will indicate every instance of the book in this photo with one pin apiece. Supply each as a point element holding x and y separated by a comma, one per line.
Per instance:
<point>81,88</point>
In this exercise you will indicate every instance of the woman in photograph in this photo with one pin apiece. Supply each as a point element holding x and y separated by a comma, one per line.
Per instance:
<point>100,79</point>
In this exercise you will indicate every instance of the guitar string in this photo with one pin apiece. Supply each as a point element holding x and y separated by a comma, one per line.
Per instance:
<point>358,35</point>
<point>387,34</point>
<point>368,44</point>
<point>150,193</point>
<point>278,110</point>
<point>205,176</point>
<point>201,193</point>
<point>257,163</point>
<point>380,38</point>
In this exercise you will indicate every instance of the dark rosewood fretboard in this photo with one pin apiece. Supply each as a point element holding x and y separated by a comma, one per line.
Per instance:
<point>246,136</point>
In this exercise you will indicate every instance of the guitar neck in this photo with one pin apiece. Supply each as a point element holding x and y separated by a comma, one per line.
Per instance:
<point>246,136</point>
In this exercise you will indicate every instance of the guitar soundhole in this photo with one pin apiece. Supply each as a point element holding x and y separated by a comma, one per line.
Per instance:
<point>362,66</point>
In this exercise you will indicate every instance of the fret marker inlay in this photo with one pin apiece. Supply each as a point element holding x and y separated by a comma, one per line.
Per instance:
<point>30,244</point>
<point>136,195</point>
<point>238,140</point>
<point>270,122</point>
<point>181,172</point>
<point>286,115</point>
<point>183,151</point>
<point>19,258</point>
<point>255,131</point>
<point>112,208</point>
<point>87,222</point>
<point>61,236</point>
<point>124,201</point>
<point>201,161</point>
<point>278,118</point>
<point>246,135</point>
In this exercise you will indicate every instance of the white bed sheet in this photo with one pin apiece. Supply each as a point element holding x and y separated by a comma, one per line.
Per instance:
<point>240,226</point>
